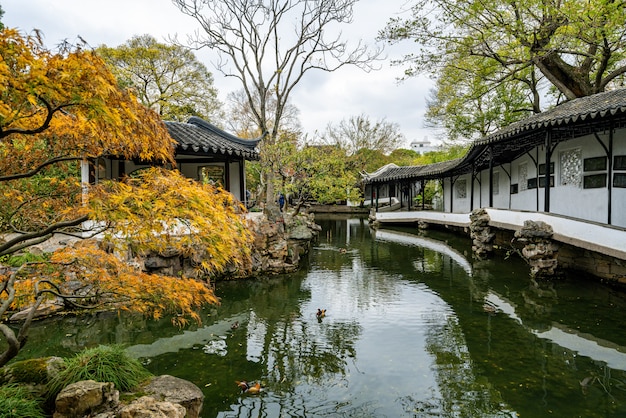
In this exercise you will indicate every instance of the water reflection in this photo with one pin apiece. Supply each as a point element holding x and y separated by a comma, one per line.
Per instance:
<point>407,333</point>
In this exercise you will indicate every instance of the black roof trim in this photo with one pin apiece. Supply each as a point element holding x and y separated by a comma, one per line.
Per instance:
<point>568,120</point>
<point>200,137</point>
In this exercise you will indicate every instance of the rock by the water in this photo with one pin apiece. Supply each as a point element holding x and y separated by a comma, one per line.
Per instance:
<point>148,407</point>
<point>172,389</point>
<point>85,398</point>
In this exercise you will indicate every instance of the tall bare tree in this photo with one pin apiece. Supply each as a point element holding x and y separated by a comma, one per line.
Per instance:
<point>359,132</point>
<point>242,119</point>
<point>269,45</point>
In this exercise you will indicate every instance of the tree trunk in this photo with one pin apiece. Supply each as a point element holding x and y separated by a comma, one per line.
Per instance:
<point>565,77</point>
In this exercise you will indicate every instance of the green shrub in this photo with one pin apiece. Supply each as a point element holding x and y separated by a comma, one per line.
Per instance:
<point>16,260</point>
<point>102,364</point>
<point>18,402</point>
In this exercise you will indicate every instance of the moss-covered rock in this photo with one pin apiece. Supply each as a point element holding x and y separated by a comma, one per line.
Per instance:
<point>34,373</point>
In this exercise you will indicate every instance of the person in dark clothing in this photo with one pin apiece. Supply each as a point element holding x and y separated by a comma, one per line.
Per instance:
<point>281,201</point>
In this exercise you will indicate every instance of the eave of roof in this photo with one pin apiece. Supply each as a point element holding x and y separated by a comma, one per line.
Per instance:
<point>566,121</point>
<point>200,137</point>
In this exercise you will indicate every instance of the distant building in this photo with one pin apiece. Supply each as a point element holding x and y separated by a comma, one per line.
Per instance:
<point>422,147</point>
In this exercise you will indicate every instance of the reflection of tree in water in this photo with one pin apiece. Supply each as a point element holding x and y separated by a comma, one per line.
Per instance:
<point>460,392</point>
<point>289,345</point>
<point>311,351</point>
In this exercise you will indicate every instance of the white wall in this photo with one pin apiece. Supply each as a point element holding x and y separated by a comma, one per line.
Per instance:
<point>572,199</point>
<point>567,197</point>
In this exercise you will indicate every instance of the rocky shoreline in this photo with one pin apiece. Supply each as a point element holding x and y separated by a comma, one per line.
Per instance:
<point>278,247</point>
<point>159,396</point>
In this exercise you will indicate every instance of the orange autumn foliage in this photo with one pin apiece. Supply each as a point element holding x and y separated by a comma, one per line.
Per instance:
<point>160,210</point>
<point>106,281</point>
<point>56,109</point>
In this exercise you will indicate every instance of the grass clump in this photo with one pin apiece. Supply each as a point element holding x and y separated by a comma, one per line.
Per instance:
<point>18,402</point>
<point>102,364</point>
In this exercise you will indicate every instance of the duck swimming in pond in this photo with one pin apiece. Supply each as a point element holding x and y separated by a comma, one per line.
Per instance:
<point>252,388</point>
<point>320,313</point>
<point>490,308</point>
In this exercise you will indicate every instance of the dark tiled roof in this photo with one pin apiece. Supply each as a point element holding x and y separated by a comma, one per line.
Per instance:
<point>584,109</point>
<point>566,121</point>
<point>200,137</point>
<point>394,173</point>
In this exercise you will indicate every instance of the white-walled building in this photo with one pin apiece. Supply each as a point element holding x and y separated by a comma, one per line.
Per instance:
<point>203,152</point>
<point>422,147</point>
<point>583,142</point>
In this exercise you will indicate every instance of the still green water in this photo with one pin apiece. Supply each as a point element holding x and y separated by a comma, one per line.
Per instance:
<point>406,335</point>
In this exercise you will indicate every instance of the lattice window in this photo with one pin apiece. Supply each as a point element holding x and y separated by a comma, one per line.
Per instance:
<point>523,177</point>
<point>495,182</point>
<point>460,189</point>
<point>571,168</point>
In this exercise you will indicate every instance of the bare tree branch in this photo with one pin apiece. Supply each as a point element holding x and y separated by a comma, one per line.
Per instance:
<point>23,240</point>
<point>269,46</point>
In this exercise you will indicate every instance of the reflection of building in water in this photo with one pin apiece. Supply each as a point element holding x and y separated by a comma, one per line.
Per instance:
<point>585,345</point>
<point>437,246</point>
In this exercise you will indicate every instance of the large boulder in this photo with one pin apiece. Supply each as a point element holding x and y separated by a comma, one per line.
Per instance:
<point>148,407</point>
<point>172,389</point>
<point>85,398</point>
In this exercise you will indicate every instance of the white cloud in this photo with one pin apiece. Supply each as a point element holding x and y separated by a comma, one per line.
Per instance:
<point>321,97</point>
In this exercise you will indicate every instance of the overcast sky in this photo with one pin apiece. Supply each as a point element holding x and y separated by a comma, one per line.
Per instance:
<point>321,97</point>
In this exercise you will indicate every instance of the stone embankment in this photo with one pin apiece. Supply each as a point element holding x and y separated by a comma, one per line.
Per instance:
<point>278,247</point>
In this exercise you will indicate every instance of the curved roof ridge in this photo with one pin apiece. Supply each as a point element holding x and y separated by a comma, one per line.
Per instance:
<point>194,120</point>
<point>596,105</point>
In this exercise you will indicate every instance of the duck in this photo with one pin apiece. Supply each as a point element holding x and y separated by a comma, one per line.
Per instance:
<point>490,308</point>
<point>235,325</point>
<point>343,251</point>
<point>320,313</point>
<point>252,388</point>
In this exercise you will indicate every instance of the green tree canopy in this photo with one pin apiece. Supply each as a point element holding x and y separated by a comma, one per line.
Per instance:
<point>322,173</point>
<point>519,49</point>
<point>167,78</point>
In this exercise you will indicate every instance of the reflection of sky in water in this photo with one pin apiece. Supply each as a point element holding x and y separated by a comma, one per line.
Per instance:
<point>394,317</point>
<point>256,337</point>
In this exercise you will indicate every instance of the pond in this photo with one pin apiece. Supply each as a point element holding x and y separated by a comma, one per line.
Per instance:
<point>414,327</point>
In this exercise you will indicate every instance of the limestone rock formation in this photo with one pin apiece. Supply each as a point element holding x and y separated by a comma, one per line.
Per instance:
<point>538,248</point>
<point>481,234</point>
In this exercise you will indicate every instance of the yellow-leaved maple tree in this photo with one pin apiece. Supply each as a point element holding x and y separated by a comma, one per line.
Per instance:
<point>58,108</point>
